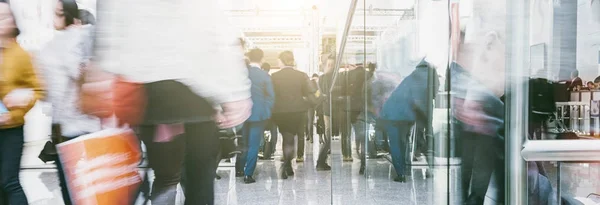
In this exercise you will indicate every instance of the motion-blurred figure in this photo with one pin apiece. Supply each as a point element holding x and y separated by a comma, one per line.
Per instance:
<point>178,39</point>
<point>409,104</point>
<point>291,88</point>
<point>17,73</point>
<point>477,109</point>
<point>61,62</point>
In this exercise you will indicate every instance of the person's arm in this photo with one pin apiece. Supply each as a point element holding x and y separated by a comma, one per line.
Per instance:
<point>269,91</point>
<point>307,87</point>
<point>31,81</point>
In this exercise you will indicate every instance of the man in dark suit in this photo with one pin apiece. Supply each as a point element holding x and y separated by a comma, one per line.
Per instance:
<point>291,89</point>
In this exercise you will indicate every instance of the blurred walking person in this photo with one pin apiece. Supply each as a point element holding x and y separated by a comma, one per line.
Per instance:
<point>408,104</point>
<point>61,62</point>
<point>263,98</point>
<point>16,73</point>
<point>166,46</point>
<point>291,88</point>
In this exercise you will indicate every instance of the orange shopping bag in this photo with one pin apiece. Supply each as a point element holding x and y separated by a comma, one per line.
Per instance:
<point>101,168</point>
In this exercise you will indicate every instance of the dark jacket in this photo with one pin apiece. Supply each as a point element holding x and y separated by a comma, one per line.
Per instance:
<point>353,88</point>
<point>263,95</point>
<point>291,88</point>
<point>410,100</point>
<point>333,97</point>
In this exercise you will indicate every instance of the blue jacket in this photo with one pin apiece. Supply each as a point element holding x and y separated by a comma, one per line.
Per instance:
<point>409,101</point>
<point>263,95</point>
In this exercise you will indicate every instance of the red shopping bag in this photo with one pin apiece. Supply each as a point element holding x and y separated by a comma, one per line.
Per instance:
<point>101,168</point>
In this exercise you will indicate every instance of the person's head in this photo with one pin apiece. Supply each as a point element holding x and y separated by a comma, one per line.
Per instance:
<point>286,58</point>
<point>8,25</point>
<point>266,67</point>
<point>590,84</point>
<point>86,17</point>
<point>66,13</point>
<point>255,55</point>
<point>574,74</point>
<point>480,44</point>
<point>315,76</point>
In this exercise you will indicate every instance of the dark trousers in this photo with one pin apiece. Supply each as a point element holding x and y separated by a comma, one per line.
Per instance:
<point>270,148</point>
<point>252,136</point>
<point>290,126</point>
<point>480,158</point>
<point>195,151</point>
<point>347,119</point>
<point>11,150</point>
<point>361,140</point>
<point>173,102</point>
<point>310,125</point>
<point>301,137</point>
<point>398,133</point>
<point>326,146</point>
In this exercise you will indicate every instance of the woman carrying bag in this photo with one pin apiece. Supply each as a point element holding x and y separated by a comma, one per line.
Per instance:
<point>61,62</point>
<point>16,73</point>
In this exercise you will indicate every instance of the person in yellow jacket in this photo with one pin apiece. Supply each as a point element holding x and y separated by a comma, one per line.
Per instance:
<point>16,74</point>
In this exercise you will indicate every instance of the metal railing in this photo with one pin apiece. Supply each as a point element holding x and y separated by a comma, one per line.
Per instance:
<point>340,52</point>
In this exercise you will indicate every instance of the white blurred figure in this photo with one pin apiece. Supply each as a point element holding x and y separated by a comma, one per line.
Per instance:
<point>60,62</point>
<point>188,58</point>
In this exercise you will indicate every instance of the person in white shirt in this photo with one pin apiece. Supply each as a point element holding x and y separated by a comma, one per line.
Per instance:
<point>170,47</point>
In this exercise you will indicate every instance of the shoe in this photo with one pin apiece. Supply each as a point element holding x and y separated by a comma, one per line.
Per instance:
<point>249,180</point>
<point>323,167</point>
<point>239,174</point>
<point>428,174</point>
<point>362,170</point>
<point>300,159</point>
<point>284,173</point>
<point>401,179</point>
<point>289,171</point>
<point>348,159</point>
<point>217,176</point>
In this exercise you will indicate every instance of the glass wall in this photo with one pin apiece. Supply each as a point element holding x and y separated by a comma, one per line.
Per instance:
<point>437,100</point>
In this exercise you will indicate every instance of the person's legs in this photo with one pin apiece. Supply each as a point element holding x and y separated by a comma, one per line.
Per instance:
<point>398,134</point>
<point>11,150</point>
<point>166,159</point>
<point>243,144</point>
<point>326,146</point>
<point>346,129</point>
<point>274,137</point>
<point>360,127</point>
<point>484,164</point>
<point>255,136</point>
<point>310,125</point>
<point>301,133</point>
<point>202,147</point>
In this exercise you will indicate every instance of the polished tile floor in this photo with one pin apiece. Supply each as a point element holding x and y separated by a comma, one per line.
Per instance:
<point>342,186</point>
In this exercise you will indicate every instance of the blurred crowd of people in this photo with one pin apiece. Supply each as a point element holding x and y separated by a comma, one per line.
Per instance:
<point>181,91</point>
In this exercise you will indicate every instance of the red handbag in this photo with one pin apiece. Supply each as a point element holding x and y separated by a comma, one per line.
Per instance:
<point>129,101</point>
